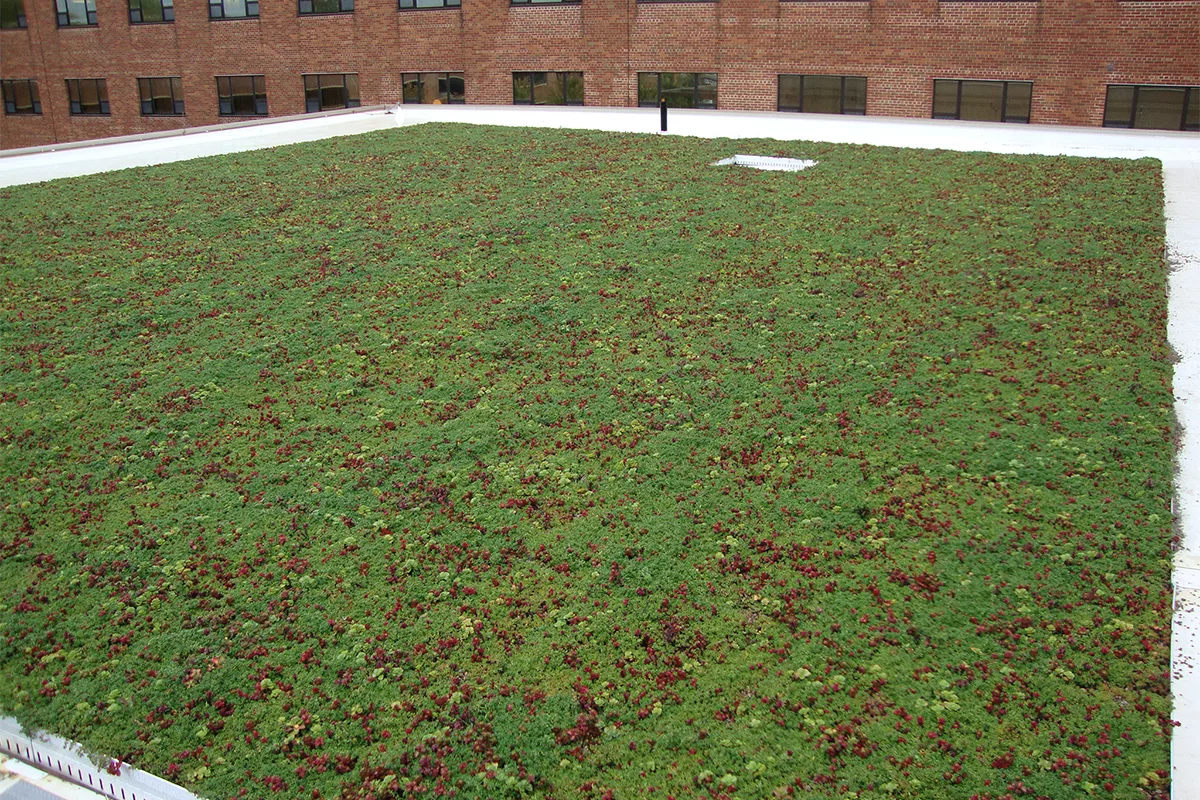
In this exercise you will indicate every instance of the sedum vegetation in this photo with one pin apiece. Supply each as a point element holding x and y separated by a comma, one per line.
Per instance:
<point>475,462</point>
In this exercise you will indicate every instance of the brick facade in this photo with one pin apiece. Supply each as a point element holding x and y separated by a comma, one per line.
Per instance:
<point>1070,49</point>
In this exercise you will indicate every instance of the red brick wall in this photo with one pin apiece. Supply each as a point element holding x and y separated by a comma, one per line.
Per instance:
<point>1070,49</point>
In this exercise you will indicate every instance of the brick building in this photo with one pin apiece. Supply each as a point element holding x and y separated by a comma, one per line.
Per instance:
<point>83,69</point>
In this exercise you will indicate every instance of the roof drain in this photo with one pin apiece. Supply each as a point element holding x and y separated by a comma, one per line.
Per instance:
<point>767,162</point>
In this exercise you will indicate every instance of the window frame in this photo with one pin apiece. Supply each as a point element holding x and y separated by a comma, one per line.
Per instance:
<point>449,99</point>
<point>1005,117</point>
<point>564,76</point>
<point>312,12</point>
<point>8,93</point>
<point>101,87</point>
<point>21,20</point>
<point>62,7</point>
<point>695,90</point>
<point>259,98</point>
<point>355,103</point>
<point>1191,96</point>
<point>251,5</point>
<point>841,97</point>
<point>446,5</point>
<point>146,84</point>
<point>166,7</point>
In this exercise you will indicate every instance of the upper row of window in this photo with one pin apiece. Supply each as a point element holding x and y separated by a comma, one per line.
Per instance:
<point>83,12</point>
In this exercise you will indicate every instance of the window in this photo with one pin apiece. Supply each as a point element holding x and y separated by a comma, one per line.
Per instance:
<point>87,96</point>
<point>1171,108</point>
<point>242,95</point>
<point>161,97</point>
<point>151,11</point>
<point>548,88</point>
<point>326,6</point>
<point>21,97</point>
<point>823,94</point>
<point>412,5</point>
<point>325,92</point>
<point>232,9</point>
<point>76,12</point>
<point>434,87</point>
<point>12,14</point>
<point>982,101</point>
<point>679,89</point>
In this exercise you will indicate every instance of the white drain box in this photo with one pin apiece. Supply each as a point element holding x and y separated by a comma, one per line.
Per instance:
<point>767,162</point>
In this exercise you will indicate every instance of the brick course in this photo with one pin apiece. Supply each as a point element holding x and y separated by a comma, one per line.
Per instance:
<point>1070,49</point>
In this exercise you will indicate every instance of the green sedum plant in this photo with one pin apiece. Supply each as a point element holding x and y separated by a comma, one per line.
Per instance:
<point>479,462</point>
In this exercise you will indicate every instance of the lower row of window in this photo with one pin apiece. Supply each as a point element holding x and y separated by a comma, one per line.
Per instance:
<point>1126,106</point>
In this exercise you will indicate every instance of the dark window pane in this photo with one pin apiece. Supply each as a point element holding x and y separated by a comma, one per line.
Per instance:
<point>332,92</point>
<point>351,89</point>
<point>679,89</point>
<point>431,87</point>
<point>12,14</point>
<point>1192,122</point>
<point>1159,107</point>
<point>945,99</point>
<point>242,95</point>
<point>548,89</point>
<point>458,87</point>
<point>521,90</point>
<point>412,87</point>
<point>160,89</point>
<point>789,92</point>
<point>648,88</point>
<point>326,6</point>
<point>575,88</point>
<point>854,101</point>
<point>982,101</point>
<point>822,94</point>
<point>332,97</point>
<point>21,97</point>
<point>88,96</point>
<point>1018,101</point>
<point>1118,106</point>
<point>706,90</point>
<point>146,11</point>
